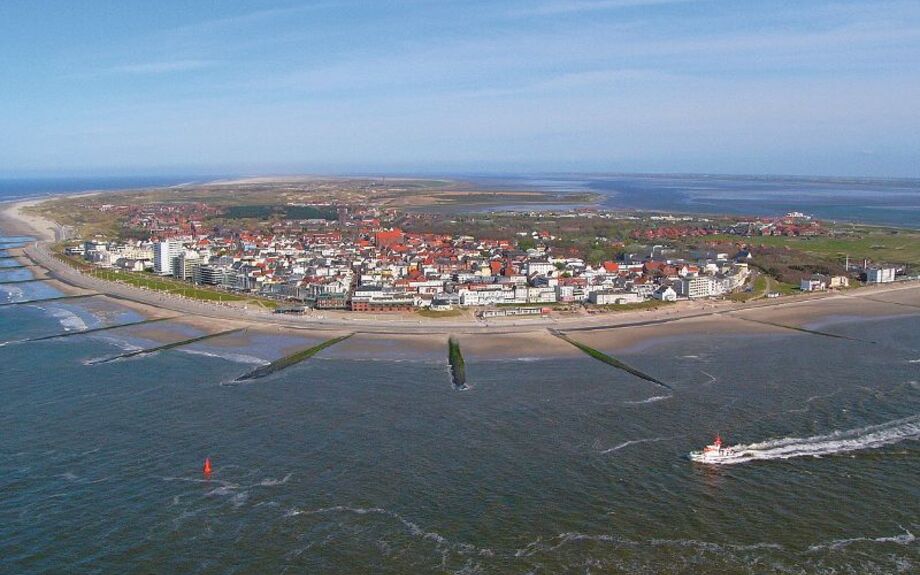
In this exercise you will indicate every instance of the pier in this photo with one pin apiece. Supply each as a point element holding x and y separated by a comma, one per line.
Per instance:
<point>609,360</point>
<point>164,347</point>
<point>47,299</point>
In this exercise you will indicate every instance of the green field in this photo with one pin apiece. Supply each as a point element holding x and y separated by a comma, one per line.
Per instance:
<point>763,285</point>
<point>166,285</point>
<point>876,244</point>
<point>439,314</point>
<point>644,305</point>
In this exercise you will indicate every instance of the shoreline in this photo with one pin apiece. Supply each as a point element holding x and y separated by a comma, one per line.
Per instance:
<point>797,309</point>
<point>800,308</point>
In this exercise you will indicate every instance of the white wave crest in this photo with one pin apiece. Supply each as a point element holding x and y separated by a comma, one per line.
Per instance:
<point>68,319</point>
<point>564,539</point>
<point>903,539</point>
<point>234,357</point>
<point>869,437</point>
<point>411,527</point>
<point>269,482</point>
<point>13,293</point>
<point>652,399</point>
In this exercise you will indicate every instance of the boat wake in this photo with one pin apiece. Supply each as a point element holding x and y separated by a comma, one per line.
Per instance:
<point>869,437</point>
<point>636,441</point>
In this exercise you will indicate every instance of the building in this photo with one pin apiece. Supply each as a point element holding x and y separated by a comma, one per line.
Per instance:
<point>665,293</point>
<point>814,283</point>
<point>164,255</point>
<point>880,275</point>
<point>610,297</point>
<point>696,286</point>
<point>839,282</point>
<point>185,265</point>
<point>383,303</point>
<point>541,267</point>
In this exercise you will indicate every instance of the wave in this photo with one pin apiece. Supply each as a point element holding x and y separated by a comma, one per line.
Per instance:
<point>634,442</point>
<point>13,294</point>
<point>903,539</point>
<point>564,539</point>
<point>271,482</point>
<point>712,378</point>
<point>69,320</point>
<point>652,399</point>
<point>235,357</point>
<point>412,528</point>
<point>869,437</point>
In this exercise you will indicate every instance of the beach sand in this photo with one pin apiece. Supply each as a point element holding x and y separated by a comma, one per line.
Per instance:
<point>868,304</point>
<point>631,339</point>
<point>13,221</point>
<point>373,346</point>
<point>526,344</point>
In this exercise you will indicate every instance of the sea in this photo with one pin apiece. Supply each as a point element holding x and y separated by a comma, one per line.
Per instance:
<point>360,463</point>
<point>883,202</point>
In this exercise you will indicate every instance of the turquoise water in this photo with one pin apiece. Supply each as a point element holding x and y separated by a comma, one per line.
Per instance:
<point>342,465</point>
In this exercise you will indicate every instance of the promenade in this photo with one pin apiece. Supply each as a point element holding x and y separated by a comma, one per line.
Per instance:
<point>404,323</point>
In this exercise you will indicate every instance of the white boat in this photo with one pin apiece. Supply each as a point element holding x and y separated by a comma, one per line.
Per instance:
<point>714,453</point>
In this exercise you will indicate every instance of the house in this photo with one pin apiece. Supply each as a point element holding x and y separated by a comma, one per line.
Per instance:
<point>814,283</point>
<point>610,297</point>
<point>839,282</point>
<point>880,274</point>
<point>665,293</point>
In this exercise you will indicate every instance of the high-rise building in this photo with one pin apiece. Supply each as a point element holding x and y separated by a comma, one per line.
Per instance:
<point>164,254</point>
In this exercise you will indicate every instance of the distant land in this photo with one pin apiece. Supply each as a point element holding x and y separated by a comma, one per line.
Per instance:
<point>877,201</point>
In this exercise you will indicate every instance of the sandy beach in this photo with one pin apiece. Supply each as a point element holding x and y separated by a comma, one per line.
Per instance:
<point>13,221</point>
<point>413,337</point>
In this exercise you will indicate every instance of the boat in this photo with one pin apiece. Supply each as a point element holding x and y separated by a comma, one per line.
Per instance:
<point>714,453</point>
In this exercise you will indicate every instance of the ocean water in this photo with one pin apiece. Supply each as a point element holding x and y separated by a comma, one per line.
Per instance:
<point>20,188</point>
<point>868,201</point>
<point>344,465</point>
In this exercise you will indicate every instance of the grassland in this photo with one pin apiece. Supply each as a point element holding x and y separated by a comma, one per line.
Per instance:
<point>255,201</point>
<point>644,305</point>
<point>763,285</point>
<point>162,284</point>
<point>439,314</point>
<point>895,246</point>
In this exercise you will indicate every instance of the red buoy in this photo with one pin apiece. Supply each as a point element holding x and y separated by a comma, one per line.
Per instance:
<point>207,466</point>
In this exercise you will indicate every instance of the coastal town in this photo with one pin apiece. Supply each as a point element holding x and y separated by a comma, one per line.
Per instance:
<point>337,257</point>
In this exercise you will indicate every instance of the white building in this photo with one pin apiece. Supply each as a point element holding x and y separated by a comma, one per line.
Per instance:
<point>696,286</point>
<point>541,295</point>
<point>839,282</point>
<point>164,253</point>
<point>880,275</point>
<point>613,297</point>
<point>814,283</point>
<point>539,267</point>
<point>665,293</point>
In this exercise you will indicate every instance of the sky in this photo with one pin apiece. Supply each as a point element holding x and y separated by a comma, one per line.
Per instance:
<point>469,86</point>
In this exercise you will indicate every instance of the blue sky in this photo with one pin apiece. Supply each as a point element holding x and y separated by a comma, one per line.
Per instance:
<point>329,86</point>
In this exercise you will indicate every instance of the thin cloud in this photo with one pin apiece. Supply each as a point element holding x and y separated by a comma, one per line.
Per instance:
<point>579,6</point>
<point>162,67</point>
